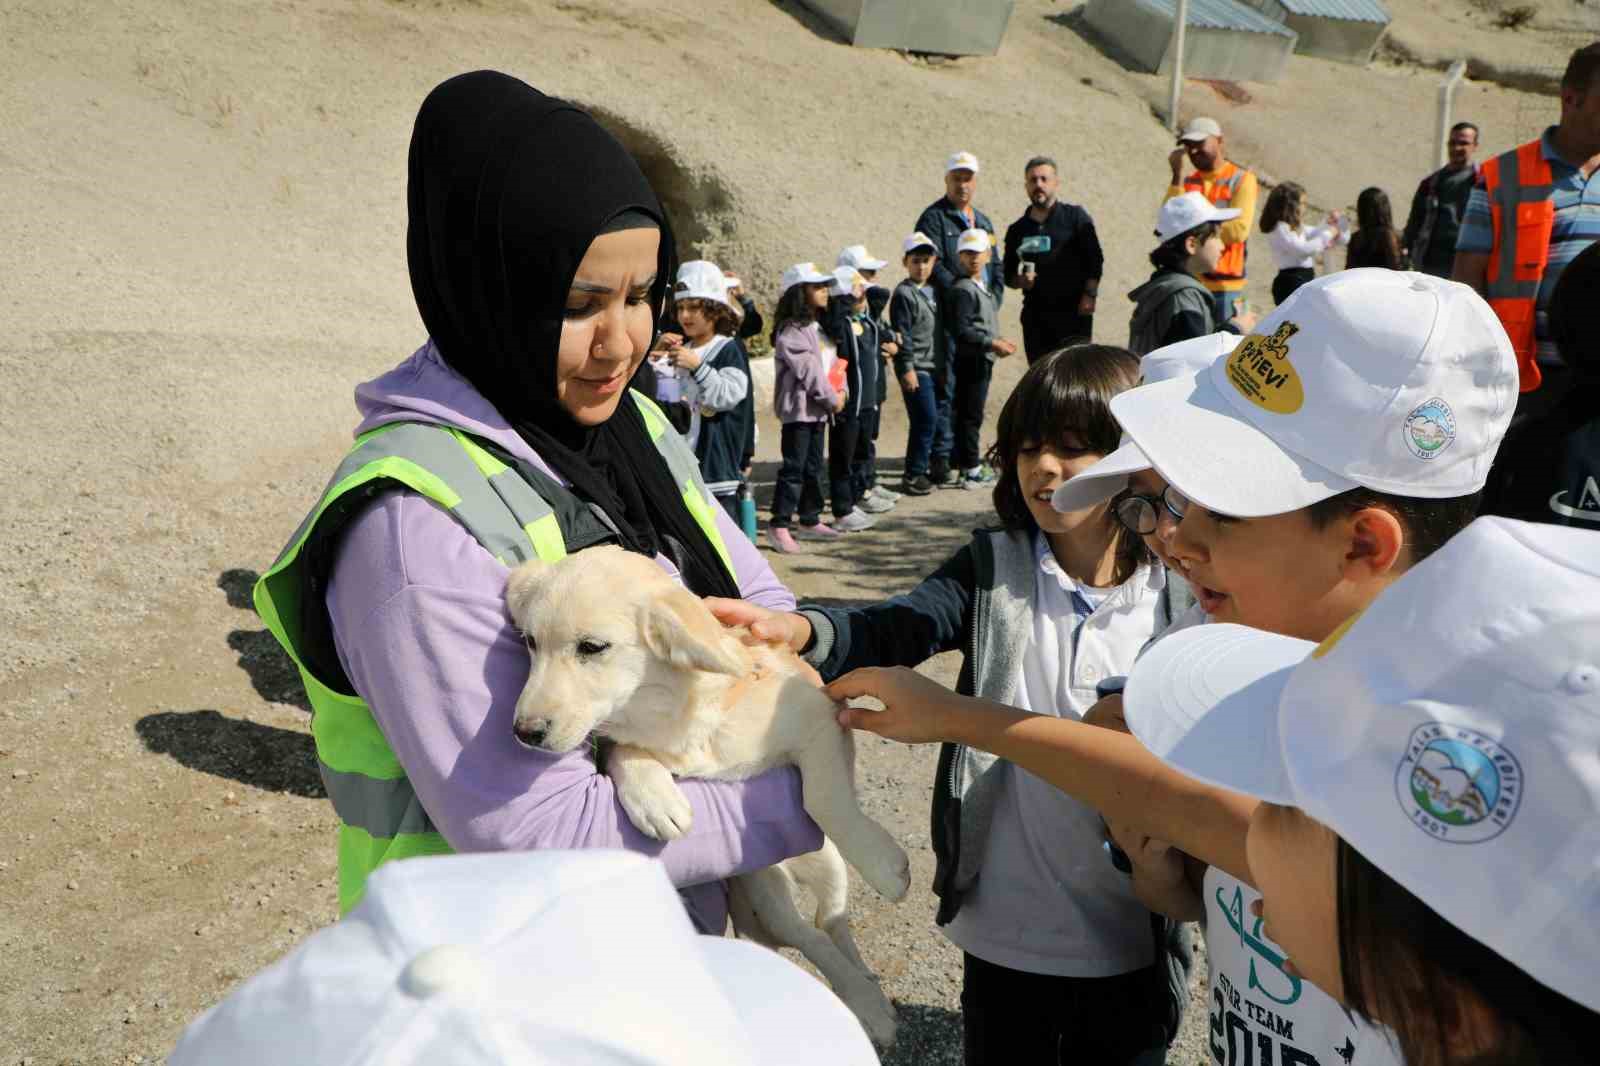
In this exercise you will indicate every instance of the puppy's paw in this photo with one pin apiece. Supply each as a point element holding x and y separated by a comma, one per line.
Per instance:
<point>889,873</point>
<point>875,1013</point>
<point>649,796</point>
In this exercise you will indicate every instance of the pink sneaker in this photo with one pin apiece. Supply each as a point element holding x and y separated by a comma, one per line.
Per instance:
<point>820,531</point>
<point>782,540</point>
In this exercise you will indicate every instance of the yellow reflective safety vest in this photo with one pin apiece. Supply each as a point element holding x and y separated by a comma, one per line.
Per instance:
<point>380,815</point>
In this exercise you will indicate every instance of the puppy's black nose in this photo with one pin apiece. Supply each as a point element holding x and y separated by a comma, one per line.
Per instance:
<point>530,736</point>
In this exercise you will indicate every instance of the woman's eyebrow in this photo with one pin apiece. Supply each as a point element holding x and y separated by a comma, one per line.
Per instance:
<point>606,290</point>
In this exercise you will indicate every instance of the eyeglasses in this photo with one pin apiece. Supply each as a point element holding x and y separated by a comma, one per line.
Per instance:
<point>1142,514</point>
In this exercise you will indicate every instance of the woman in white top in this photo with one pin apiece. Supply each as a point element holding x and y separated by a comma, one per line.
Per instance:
<point>1294,246</point>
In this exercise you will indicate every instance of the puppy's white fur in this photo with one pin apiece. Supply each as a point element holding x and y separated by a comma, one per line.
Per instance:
<point>621,651</point>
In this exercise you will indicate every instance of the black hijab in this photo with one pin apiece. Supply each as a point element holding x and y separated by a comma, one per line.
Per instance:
<point>507,189</point>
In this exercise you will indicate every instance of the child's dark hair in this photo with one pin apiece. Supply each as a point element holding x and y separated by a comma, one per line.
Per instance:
<point>793,307</point>
<point>1068,391</point>
<point>1284,204</point>
<point>1174,253</point>
<point>1427,523</point>
<point>1405,965</point>
<point>723,320</point>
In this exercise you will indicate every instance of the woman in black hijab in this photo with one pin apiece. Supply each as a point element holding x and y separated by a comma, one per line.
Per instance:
<point>509,190</point>
<point>539,258</point>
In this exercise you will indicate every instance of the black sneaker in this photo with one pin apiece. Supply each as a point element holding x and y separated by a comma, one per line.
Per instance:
<point>938,472</point>
<point>917,486</point>
<point>950,480</point>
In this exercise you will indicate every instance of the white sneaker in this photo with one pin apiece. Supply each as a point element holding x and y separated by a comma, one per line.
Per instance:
<point>874,504</point>
<point>854,522</point>
<point>887,494</point>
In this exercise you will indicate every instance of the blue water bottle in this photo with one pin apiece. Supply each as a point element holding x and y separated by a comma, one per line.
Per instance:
<point>747,512</point>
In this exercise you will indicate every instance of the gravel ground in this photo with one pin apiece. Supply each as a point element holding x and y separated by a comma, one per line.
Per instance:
<point>204,204</point>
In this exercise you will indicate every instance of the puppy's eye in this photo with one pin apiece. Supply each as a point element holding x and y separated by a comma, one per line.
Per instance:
<point>589,648</point>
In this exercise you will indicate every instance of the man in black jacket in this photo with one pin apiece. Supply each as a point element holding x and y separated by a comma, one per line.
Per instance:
<point>1440,205</point>
<point>1053,255</point>
<point>943,221</point>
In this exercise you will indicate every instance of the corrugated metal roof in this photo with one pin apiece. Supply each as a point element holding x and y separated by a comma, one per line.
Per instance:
<point>1221,15</point>
<point>1350,10</point>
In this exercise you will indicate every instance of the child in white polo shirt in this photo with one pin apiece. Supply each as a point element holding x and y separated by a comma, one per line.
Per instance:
<point>1341,443</point>
<point>1430,784</point>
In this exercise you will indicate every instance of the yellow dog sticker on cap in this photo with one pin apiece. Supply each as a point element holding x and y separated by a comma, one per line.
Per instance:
<point>1260,369</point>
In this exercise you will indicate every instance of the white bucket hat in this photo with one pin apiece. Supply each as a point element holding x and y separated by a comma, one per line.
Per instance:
<point>1450,734</point>
<point>975,240</point>
<point>700,279</point>
<point>858,257</point>
<point>1397,382</point>
<point>803,274</point>
<point>524,959</point>
<point>1109,476</point>
<point>1183,213</point>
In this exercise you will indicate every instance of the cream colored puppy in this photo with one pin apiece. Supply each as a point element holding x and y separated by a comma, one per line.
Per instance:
<point>621,651</point>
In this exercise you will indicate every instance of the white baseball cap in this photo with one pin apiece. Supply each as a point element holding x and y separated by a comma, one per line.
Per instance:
<point>844,280</point>
<point>961,161</point>
<point>1450,734</point>
<point>1397,382</point>
<point>1183,213</point>
<point>524,959</point>
<point>733,281</point>
<point>803,274</point>
<point>918,240</point>
<point>1109,476</point>
<point>975,240</point>
<point>1199,129</point>
<point>857,256</point>
<point>699,279</point>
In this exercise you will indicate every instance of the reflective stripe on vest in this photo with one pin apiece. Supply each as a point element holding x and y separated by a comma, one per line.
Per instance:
<point>1522,215</point>
<point>381,817</point>
<point>1230,265</point>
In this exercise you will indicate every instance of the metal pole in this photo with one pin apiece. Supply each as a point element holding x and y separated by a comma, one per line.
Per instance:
<point>1447,92</point>
<point>1180,19</point>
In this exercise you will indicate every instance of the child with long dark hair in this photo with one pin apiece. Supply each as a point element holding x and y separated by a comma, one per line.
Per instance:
<point>804,402</point>
<point>1295,246</point>
<point>1058,951</point>
<point>1375,243</point>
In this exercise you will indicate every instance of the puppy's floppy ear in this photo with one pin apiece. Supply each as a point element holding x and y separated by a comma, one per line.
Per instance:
<point>523,586</point>
<point>677,627</point>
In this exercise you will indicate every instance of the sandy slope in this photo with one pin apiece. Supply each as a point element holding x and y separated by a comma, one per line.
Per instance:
<point>204,206</point>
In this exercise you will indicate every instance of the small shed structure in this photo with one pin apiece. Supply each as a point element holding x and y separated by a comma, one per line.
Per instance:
<point>943,27</point>
<point>1224,39</point>
<point>1344,30</point>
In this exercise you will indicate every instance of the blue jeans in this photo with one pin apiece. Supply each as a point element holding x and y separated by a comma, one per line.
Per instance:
<point>800,475</point>
<point>922,409</point>
<point>944,432</point>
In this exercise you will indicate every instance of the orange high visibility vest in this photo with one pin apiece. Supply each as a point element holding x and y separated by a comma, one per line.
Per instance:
<point>1523,217</point>
<point>1226,182</point>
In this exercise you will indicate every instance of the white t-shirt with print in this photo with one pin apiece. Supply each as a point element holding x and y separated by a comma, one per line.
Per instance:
<point>1261,1016</point>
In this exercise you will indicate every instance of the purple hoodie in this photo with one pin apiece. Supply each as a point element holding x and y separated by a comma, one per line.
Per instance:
<point>800,390</point>
<point>421,627</point>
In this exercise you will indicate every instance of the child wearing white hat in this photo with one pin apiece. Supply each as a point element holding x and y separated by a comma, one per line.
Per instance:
<point>975,325</point>
<point>522,959</point>
<point>1307,469</point>
<point>1173,305</point>
<point>804,401</point>
<point>1429,778</point>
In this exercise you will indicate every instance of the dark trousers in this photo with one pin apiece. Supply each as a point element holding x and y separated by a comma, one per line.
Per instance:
<point>1288,280</point>
<point>922,411</point>
<point>1011,1018</point>
<point>800,476</point>
<point>1045,331</point>
<point>730,504</point>
<point>842,441</point>
<point>973,370</point>
<point>944,438</point>
<point>863,465</point>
